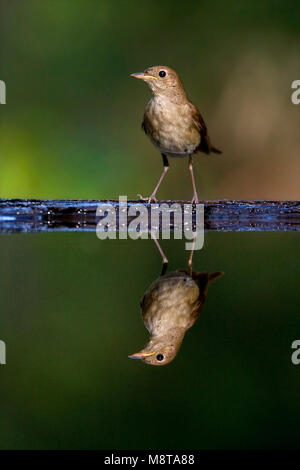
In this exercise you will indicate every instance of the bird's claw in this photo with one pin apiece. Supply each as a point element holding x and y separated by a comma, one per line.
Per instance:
<point>147,199</point>
<point>195,200</point>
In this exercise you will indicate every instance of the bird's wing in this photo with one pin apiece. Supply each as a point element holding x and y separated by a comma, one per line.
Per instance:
<point>143,124</point>
<point>198,121</point>
<point>200,125</point>
<point>146,124</point>
<point>203,280</point>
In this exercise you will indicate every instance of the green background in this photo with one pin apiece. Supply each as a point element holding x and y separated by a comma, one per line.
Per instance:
<point>69,304</point>
<point>72,123</point>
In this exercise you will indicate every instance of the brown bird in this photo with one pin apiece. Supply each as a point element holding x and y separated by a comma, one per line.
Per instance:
<point>172,122</point>
<point>170,307</point>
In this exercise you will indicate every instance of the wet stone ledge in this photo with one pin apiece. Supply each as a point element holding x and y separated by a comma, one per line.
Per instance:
<point>34,215</point>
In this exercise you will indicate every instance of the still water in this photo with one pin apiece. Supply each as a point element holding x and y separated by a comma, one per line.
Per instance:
<point>70,316</point>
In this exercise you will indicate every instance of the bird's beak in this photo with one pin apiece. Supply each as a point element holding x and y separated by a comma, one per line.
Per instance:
<point>140,355</point>
<point>143,76</point>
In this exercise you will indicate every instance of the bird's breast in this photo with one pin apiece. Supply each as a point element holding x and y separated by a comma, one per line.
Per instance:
<point>169,303</point>
<point>170,127</point>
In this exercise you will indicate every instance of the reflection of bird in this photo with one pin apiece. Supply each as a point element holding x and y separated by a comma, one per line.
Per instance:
<point>172,122</point>
<point>170,307</point>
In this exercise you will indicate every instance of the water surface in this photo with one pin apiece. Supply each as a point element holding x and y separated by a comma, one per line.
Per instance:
<point>70,315</point>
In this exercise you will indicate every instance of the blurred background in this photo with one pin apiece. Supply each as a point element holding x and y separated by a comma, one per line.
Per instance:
<point>72,123</point>
<point>69,304</point>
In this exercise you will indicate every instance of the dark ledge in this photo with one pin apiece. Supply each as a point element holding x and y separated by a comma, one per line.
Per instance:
<point>33,215</point>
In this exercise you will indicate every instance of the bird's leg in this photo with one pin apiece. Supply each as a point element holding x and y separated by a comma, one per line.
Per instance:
<point>164,258</point>
<point>166,167</point>
<point>190,261</point>
<point>195,199</point>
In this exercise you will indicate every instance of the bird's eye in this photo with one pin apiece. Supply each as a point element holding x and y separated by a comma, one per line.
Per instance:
<point>162,74</point>
<point>160,357</point>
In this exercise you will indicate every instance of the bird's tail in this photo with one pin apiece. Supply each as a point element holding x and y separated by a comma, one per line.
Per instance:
<point>215,150</point>
<point>203,279</point>
<point>213,276</point>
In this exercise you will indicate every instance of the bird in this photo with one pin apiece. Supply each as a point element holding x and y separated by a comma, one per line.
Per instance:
<point>170,307</point>
<point>172,122</point>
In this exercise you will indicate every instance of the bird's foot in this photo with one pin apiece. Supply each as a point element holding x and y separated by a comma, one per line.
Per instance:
<point>195,199</point>
<point>149,199</point>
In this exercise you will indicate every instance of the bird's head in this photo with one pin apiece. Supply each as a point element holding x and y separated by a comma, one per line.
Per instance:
<point>161,80</point>
<point>160,351</point>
